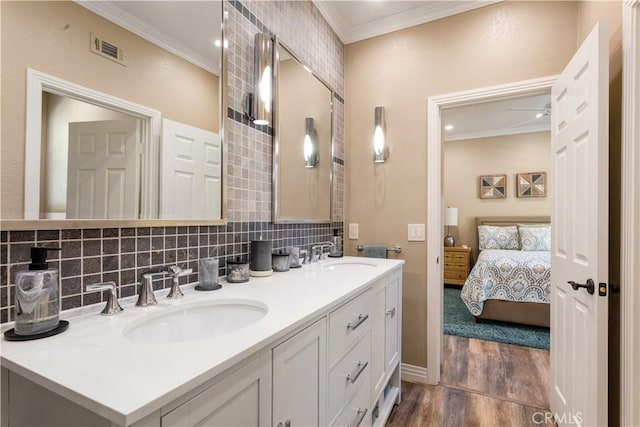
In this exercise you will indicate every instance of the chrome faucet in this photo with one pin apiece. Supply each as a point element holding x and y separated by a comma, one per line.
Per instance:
<point>112,306</point>
<point>176,273</point>
<point>318,251</point>
<point>146,296</point>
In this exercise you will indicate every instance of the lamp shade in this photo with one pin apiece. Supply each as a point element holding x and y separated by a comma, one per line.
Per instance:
<point>451,216</point>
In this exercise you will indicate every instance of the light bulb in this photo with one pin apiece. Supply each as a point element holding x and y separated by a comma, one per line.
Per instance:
<point>378,140</point>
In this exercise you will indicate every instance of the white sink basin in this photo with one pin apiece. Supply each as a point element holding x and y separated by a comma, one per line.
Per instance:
<point>196,321</point>
<point>351,264</point>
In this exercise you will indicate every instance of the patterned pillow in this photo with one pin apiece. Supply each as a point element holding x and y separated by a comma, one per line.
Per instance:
<point>493,237</point>
<point>535,238</point>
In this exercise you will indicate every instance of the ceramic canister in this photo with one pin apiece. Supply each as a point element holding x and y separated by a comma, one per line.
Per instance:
<point>260,258</point>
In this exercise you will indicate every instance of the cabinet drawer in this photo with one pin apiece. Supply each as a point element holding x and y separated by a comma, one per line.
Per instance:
<point>348,374</point>
<point>455,275</point>
<point>349,323</point>
<point>455,265</point>
<point>461,257</point>
<point>357,412</point>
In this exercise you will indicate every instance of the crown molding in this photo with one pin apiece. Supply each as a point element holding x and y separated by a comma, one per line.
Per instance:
<point>430,11</point>
<point>497,132</point>
<point>129,22</point>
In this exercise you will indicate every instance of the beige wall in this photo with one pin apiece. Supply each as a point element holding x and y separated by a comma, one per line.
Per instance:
<point>304,192</point>
<point>502,43</point>
<point>466,160</point>
<point>53,37</point>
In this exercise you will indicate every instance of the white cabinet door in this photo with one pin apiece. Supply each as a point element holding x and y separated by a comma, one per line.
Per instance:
<point>393,311</point>
<point>241,399</point>
<point>378,328</point>
<point>300,378</point>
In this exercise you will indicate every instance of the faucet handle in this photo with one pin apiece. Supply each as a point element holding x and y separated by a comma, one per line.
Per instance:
<point>112,306</point>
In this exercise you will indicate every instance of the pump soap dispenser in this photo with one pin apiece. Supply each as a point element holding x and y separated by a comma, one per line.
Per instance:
<point>37,299</point>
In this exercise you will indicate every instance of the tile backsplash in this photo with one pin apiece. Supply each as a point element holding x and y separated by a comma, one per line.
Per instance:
<point>121,254</point>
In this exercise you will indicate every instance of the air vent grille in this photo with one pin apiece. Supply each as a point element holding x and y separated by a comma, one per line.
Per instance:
<point>106,49</point>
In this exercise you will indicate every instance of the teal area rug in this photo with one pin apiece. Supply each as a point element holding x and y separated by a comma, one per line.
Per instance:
<point>458,321</point>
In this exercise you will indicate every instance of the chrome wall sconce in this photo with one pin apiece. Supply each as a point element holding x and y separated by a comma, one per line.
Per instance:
<point>380,148</point>
<point>258,105</point>
<point>311,155</point>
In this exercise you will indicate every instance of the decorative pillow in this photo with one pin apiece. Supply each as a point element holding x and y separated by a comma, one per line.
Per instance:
<point>493,237</point>
<point>535,238</point>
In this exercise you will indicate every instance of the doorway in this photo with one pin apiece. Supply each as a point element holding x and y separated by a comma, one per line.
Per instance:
<point>436,202</point>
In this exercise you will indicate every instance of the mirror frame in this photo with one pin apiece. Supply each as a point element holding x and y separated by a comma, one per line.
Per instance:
<point>276,141</point>
<point>49,224</point>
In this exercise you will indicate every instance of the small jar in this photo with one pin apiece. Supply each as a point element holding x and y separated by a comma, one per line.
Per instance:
<point>238,271</point>
<point>280,260</point>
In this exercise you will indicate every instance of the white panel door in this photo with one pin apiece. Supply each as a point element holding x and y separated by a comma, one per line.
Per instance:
<point>300,378</point>
<point>579,214</point>
<point>102,173</point>
<point>190,185</point>
<point>378,348</point>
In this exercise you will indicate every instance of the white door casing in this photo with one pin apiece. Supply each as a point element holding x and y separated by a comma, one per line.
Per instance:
<point>579,214</point>
<point>191,184</point>
<point>102,172</point>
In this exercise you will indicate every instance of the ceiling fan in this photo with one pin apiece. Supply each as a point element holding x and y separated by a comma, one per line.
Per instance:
<point>540,113</point>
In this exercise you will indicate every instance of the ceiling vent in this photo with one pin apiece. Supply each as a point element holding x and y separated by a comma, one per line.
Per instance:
<point>106,49</point>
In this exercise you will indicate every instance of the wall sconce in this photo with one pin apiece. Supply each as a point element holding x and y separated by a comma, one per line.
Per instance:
<point>380,148</point>
<point>450,218</point>
<point>257,105</point>
<point>311,155</point>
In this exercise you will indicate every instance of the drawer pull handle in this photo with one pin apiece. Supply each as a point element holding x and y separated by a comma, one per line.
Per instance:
<point>358,419</point>
<point>361,319</point>
<point>391,313</point>
<point>353,378</point>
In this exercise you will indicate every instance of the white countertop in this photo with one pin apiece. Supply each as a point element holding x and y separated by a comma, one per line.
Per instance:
<point>95,366</point>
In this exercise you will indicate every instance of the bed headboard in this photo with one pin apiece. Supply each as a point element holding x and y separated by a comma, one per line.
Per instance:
<point>507,220</point>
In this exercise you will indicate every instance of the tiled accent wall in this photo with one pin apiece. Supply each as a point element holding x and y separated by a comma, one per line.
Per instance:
<point>300,26</point>
<point>121,254</point>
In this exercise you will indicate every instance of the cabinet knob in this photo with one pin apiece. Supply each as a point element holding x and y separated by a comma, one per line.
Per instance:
<point>391,313</point>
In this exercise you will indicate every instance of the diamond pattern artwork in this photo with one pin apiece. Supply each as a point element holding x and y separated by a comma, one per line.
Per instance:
<point>493,186</point>
<point>532,184</point>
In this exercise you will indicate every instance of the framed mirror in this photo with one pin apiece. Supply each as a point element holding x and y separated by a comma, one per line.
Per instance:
<point>123,121</point>
<point>303,142</point>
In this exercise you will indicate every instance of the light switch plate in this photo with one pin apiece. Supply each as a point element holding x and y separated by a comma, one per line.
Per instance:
<point>353,231</point>
<point>415,232</point>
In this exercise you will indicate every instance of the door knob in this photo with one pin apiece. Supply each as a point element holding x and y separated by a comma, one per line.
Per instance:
<point>590,286</point>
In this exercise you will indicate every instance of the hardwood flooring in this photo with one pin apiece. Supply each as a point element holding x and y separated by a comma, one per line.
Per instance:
<point>483,383</point>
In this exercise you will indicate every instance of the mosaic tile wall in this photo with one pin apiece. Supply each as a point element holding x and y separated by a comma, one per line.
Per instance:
<point>299,26</point>
<point>121,254</point>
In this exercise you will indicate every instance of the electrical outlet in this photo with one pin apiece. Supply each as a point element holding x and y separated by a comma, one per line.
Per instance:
<point>415,232</point>
<point>353,231</point>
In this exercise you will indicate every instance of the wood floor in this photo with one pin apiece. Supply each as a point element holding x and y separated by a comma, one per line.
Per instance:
<point>483,383</point>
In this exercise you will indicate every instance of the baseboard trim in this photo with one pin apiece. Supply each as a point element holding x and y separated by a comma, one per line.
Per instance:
<point>414,374</point>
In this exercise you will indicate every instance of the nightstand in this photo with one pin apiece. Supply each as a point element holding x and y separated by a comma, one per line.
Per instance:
<point>457,265</point>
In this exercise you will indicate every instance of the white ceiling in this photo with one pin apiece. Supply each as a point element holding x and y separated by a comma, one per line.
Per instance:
<point>362,19</point>
<point>497,118</point>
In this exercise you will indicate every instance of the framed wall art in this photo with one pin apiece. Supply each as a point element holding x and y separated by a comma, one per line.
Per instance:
<point>493,186</point>
<point>532,184</point>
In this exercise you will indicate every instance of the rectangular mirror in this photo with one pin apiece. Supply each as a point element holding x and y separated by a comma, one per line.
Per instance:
<point>303,143</point>
<point>123,104</point>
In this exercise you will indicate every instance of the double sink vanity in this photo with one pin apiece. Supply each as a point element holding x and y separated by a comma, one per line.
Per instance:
<point>316,346</point>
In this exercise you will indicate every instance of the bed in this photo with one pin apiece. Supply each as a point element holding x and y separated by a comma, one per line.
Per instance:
<point>510,285</point>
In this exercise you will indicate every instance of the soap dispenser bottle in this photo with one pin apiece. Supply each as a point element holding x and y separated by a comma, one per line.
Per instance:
<point>37,295</point>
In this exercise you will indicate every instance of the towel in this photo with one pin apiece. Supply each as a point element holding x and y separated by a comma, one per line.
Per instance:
<point>375,251</point>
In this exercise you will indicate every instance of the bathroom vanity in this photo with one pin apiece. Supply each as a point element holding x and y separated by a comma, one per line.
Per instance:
<point>318,345</point>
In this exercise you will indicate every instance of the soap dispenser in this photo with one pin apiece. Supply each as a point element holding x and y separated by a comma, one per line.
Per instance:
<point>37,296</point>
